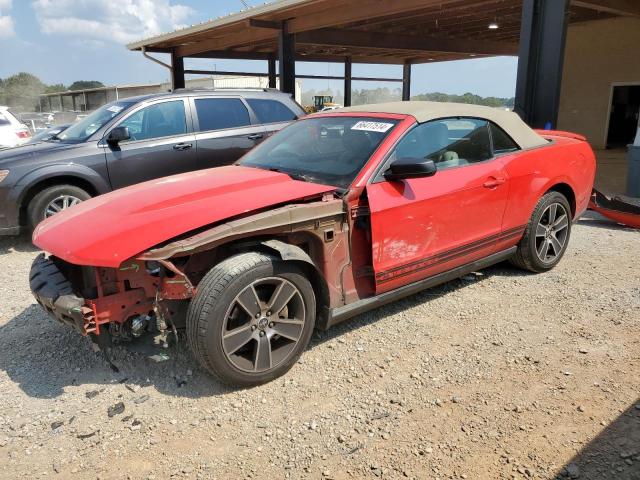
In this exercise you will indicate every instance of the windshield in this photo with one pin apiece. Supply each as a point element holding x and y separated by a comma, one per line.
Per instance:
<point>327,150</point>
<point>86,127</point>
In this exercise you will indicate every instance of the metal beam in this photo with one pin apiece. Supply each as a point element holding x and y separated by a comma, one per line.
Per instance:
<point>225,72</point>
<point>254,22</point>
<point>406,82</point>
<point>177,71</point>
<point>312,77</point>
<point>347,82</point>
<point>287,60</point>
<point>356,79</point>
<point>617,7</point>
<point>542,41</point>
<point>385,41</point>
<point>232,54</point>
<point>272,73</point>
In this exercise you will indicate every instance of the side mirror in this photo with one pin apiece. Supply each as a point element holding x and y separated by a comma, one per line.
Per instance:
<point>117,135</point>
<point>410,168</point>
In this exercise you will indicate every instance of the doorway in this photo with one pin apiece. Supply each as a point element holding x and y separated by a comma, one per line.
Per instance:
<point>623,119</point>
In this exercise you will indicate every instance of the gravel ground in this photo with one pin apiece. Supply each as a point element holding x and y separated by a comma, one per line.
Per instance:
<point>502,374</point>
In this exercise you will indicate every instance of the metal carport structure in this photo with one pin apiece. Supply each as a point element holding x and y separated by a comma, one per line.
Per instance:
<point>400,32</point>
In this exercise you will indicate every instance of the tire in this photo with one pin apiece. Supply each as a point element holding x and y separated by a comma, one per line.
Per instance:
<point>37,208</point>
<point>225,302</point>
<point>528,256</point>
<point>46,280</point>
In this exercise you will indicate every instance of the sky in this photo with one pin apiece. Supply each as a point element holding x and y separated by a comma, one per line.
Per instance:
<point>62,41</point>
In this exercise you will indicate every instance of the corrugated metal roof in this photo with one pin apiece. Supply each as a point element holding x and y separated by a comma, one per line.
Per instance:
<point>218,22</point>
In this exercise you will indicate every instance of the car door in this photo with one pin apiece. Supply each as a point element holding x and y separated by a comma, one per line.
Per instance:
<point>225,130</point>
<point>162,143</point>
<point>424,226</point>
<point>272,113</point>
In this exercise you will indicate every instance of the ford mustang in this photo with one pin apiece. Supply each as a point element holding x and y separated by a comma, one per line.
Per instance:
<point>336,214</point>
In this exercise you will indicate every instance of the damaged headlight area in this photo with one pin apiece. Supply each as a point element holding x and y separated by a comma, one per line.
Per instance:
<point>113,305</point>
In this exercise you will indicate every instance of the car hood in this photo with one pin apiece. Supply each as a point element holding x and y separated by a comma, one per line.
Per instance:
<point>30,151</point>
<point>107,230</point>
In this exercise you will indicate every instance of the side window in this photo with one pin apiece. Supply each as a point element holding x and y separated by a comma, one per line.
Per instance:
<point>450,142</point>
<point>221,113</point>
<point>155,121</point>
<point>271,111</point>
<point>502,142</point>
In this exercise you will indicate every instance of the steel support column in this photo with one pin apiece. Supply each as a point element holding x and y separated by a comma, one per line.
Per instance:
<point>272,73</point>
<point>287,60</point>
<point>347,82</point>
<point>541,57</point>
<point>177,71</point>
<point>406,82</point>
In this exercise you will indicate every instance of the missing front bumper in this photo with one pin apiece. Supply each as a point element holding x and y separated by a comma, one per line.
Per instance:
<point>55,295</point>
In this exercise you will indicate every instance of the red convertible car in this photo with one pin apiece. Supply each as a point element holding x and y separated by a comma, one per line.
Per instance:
<point>336,214</point>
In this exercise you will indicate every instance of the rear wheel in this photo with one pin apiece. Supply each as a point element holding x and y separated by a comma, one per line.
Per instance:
<point>547,234</point>
<point>251,319</point>
<point>53,200</point>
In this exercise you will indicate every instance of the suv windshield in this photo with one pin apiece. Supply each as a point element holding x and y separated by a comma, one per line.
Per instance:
<point>327,150</point>
<point>86,127</point>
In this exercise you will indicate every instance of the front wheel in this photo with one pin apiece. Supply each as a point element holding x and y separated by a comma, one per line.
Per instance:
<point>547,234</point>
<point>53,200</point>
<point>251,318</point>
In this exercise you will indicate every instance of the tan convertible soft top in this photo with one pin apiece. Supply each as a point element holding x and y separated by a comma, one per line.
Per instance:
<point>509,121</point>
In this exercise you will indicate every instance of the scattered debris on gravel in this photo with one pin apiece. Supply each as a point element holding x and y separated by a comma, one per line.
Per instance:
<point>498,375</point>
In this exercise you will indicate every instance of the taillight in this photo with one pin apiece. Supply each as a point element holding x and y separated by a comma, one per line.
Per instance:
<point>23,134</point>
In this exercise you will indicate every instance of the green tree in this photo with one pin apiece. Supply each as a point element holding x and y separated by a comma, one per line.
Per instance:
<point>21,91</point>
<point>55,88</point>
<point>468,97</point>
<point>85,84</point>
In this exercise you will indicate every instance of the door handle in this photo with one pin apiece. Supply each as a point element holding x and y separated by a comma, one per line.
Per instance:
<point>255,136</point>
<point>182,146</point>
<point>493,182</point>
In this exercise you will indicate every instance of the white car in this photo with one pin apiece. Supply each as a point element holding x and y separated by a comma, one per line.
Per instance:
<point>12,132</point>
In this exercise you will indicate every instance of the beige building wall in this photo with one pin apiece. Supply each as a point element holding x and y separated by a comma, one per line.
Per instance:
<point>598,55</point>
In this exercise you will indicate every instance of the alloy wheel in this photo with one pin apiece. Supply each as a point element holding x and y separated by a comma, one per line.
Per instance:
<point>60,203</point>
<point>263,325</point>
<point>551,232</point>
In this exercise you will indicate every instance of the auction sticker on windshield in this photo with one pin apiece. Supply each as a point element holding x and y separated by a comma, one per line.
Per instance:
<point>372,126</point>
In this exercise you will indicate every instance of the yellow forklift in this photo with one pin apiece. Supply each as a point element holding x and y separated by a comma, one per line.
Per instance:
<point>320,102</point>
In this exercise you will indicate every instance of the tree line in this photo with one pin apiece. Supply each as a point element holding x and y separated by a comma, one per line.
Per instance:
<point>385,94</point>
<point>22,90</point>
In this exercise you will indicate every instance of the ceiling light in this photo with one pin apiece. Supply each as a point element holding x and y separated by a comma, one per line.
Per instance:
<point>494,26</point>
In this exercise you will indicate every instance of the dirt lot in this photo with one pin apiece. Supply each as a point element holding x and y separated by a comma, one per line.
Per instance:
<point>499,375</point>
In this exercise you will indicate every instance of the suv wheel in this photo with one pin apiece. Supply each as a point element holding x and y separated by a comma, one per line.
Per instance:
<point>52,200</point>
<point>251,318</point>
<point>547,234</point>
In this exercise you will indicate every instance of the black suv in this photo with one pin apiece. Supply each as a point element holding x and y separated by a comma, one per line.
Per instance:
<point>132,140</point>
